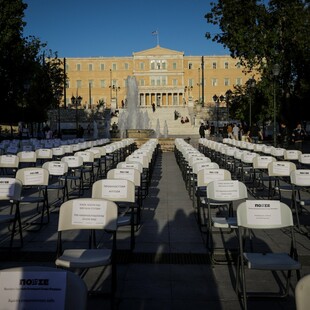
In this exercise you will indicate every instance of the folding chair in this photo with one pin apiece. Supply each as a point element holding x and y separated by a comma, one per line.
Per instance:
<point>34,191</point>
<point>27,159</point>
<point>10,192</point>
<point>279,171</point>
<point>204,177</point>
<point>221,195</point>
<point>257,216</point>
<point>122,192</point>
<point>9,164</point>
<point>44,155</point>
<point>300,180</point>
<point>88,168</point>
<point>74,175</point>
<point>78,215</point>
<point>302,293</point>
<point>57,172</point>
<point>134,176</point>
<point>75,288</point>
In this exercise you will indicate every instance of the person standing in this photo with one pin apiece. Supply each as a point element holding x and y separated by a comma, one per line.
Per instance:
<point>153,107</point>
<point>235,132</point>
<point>202,130</point>
<point>298,136</point>
<point>230,131</point>
<point>284,135</point>
<point>255,133</point>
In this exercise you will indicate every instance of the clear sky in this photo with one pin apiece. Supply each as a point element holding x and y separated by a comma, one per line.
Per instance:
<point>94,28</point>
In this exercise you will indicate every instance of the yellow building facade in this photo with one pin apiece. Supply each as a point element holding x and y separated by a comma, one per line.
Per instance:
<point>165,77</point>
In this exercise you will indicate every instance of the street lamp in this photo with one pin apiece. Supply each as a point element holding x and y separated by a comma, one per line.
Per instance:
<point>76,101</point>
<point>227,99</point>
<point>199,84</point>
<point>116,89</point>
<point>275,72</point>
<point>58,97</point>
<point>251,84</point>
<point>217,100</point>
<point>189,89</point>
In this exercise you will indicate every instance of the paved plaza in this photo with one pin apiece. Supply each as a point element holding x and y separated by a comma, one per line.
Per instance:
<point>170,265</point>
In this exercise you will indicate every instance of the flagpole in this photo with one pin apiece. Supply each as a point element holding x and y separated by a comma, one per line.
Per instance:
<point>157,34</point>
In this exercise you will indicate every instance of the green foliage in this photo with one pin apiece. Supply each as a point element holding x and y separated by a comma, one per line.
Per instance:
<point>262,34</point>
<point>30,80</point>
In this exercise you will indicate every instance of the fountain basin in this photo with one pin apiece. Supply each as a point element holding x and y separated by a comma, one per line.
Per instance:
<point>139,133</point>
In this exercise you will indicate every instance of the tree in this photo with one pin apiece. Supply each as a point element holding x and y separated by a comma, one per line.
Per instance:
<point>262,34</point>
<point>31,76</point>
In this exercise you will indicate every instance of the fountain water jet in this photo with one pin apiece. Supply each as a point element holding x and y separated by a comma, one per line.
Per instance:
<point>132,120</point>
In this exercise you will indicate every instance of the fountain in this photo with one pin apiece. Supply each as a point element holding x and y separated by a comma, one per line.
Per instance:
<point>132,121</point>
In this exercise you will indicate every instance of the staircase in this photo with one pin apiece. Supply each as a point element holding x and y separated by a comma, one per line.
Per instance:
<point>175,127</point>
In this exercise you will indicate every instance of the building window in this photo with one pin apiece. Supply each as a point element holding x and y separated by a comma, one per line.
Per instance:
<point>141,82</point>
<point>67,84</point>
<point>164,81</point>
<point>164,65</point>
<point>114,67</point>
<point>152,81</point>
<point>91,83</point>
<point>78,67</point>
<point>174,66</point>
<point>238,65</point>
<point>126,66</point>
<point>152,65</point>
<point>214,82</point>
<point>67,67</point>
<point>78,84</point>
<point>90,67</point>
<point>102,67</point>
<point>175,82</point>
<point>141,65</point>
<point>226,65</point>
<point>239,81</point>
<point>114,82</point>
<point>190,65</point>
<point>190,82</point>
<point>226,81</point>
<point>102,84</point>
<point>214,65</point>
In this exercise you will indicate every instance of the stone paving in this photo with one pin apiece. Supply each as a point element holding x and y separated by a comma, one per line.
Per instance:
<point>169,267</point>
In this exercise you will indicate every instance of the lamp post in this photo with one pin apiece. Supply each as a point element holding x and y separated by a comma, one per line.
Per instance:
<point>217,100</point>
<point>275,72</point>
<point>57,97</point>
<point>116,89</point>
<point>188,89</point>
<point>199,84</point>
<point>251,84</point>
<point>76,101</point>
<point>227,99</point>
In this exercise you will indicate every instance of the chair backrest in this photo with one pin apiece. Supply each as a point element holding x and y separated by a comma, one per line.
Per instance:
<point>261,162</point>
<point>302,293</point>
<point>198,159</point>
<point>204,165</point>
<point>226,190</point>
<point>205,176</point>
<point>73,161</point>
<point>88,157</point>
<point>280,168</point>
<point>304,159</point>
<point>88,213</point>
<point>114,190</point>
<point>248,157</point>
<point>9,161</point>
<point>264,214</point>
<point>292,154</point>
<point>75,288</point>
<point>300,177</point>
<point>44,154</point>
<point>142,159</point>
<point>56,168</point>
<point>33,176</point>
<point>27,156</point>
<point>129,164</point>
<point>130,174</point>
<point>10,188</point>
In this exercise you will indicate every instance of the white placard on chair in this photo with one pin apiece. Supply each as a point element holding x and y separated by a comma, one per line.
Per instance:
<point>33,177</point>
<point>115,189</point>
<point>226,189</point>
<point>87,212</point>
<point>127,174</point>
<point>33,290</point>
<point>282,168</point>
<point>7,186</point>
<point>263,212</point>
<point>213,174</point>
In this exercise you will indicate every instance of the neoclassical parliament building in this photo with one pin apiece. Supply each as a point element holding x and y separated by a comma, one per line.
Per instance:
<point>165,77</point>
